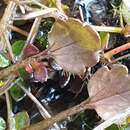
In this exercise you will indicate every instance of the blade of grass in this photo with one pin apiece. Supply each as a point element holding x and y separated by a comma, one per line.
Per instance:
<point>40,13</point>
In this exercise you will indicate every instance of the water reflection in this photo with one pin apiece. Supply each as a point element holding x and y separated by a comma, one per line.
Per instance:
<point>93,10</point>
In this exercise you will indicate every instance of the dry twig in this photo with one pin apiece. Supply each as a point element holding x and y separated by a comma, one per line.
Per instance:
<point>22,63</point>
<point>69,112</point>
<point>6,26</point>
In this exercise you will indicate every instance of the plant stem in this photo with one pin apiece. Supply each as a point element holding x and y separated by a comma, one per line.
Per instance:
<point>121,17</point>
<point>81,13</point>
<point>34,30</point>
<point>59,6</point>
<point>43,111</point>
<point>69,112</point>
<point>6,17</point>
<point>107,29</point>
<point>44,13</point>
<point>16,29</point>
<point>108,55</point>
<point>41,108</point>
<point>9,47</point>
<point>7,85</point>
<point>11,120</point>
<point>120,58</point>
<point>22,63</point>
<point>32,33</point>
<point>5,21</point>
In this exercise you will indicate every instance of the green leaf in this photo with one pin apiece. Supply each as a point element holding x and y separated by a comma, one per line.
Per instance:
<point>118,127</point>
<point>22,120</point>
<point>20,22</point>
<point>2,83</point>
<point>112,127</point>
<point>125,10</point>
<point>127,128</point>
<point>104,39</point>
<point>17,47</point>
<point>52,3</point>
<point>2,124</point>
<point>3,61</point>
<point>42,41</point>
<point>23,74</point>
<point>16,93</point>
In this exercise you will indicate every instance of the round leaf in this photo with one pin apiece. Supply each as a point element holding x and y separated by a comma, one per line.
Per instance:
<point>85,36</point>
<point>22,120</point>
<point>109,91</point>
<point>16,93</point>
<point>74,46</point>
<point>17,47</point>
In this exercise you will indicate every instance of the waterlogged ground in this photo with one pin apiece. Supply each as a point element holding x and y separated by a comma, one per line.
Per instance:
<point>61,91</point>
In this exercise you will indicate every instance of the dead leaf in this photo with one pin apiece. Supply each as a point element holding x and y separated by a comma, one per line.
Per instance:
<point>109,90</point>
<point>73,46</point>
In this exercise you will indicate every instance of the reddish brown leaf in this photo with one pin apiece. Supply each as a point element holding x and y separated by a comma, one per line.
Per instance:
<point>73,46</point>
<point>109,90</point>
<point>30,50</point>
<point>40,72</point>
